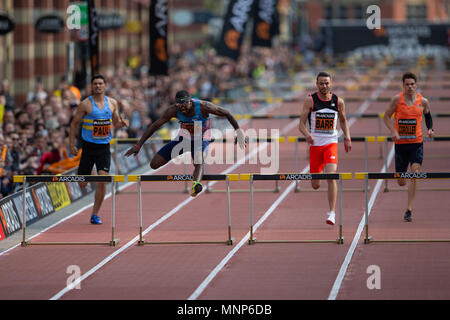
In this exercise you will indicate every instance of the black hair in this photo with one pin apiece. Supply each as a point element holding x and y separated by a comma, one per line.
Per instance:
<point>182,96</point>
<point>98,76</point>
<point>323,74</point>
<point>409,75</point>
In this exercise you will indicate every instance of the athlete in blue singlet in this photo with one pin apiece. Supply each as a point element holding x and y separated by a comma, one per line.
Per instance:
<point>193,115</point>
<point>97,114</point>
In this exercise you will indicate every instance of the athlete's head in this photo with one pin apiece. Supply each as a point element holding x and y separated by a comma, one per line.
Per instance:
<point>323,82</point>
<point>409,82</point>
<point>183,101</point>
<point>98,83</point>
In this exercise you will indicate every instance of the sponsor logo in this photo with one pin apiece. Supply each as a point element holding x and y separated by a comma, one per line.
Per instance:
<point>68,179</point>
<point>411,175</point>
<point>181,177</point>
<point>296,177</point>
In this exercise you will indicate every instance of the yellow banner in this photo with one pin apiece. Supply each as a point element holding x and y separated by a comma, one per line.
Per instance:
<point>58,193</point>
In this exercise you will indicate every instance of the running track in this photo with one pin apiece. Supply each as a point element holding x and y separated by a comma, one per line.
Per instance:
<point>261,271</point>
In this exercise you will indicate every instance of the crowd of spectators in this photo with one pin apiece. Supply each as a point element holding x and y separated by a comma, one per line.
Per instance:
<point>35,135</point>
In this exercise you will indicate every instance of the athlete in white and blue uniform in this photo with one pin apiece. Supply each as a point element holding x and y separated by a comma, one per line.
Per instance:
<point>193,115</point>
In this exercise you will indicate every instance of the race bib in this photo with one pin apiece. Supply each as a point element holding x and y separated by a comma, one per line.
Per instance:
<point>324,123</point>
<point>101,129</point>
<point>407,128</point>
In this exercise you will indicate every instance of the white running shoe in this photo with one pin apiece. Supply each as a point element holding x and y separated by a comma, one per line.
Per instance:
<point>331,218</point>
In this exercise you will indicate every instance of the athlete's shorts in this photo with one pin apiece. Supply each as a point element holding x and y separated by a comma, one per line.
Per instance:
<point>407,153</point>
<point>319,156</point>
<point>181,146</point>
<point>94,154</point>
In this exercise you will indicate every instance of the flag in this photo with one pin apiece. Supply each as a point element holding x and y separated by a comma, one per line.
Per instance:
<point>236,18</point>
<point>93,38</point>
<point>265,24</point>
<point>158,37</point>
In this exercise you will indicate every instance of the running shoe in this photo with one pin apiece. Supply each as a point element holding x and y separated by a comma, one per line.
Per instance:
<point>95,219</point>
<point>331,218</point>
<point>196,188</point>
<point>407,216</point>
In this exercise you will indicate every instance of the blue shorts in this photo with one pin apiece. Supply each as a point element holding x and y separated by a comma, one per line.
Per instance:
<point>181,146</point>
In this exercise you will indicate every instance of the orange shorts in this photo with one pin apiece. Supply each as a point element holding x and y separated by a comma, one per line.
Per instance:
<point>319,156</point>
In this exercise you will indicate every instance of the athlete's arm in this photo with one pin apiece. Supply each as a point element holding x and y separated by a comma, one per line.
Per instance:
<point>344,125</point>
<point>387,118</point>
<point>152,128</point>
<point>307,105</point>
<point>428,119</point>
<point>210,107</point>
<point>118,121</point>
<point>81,111</point>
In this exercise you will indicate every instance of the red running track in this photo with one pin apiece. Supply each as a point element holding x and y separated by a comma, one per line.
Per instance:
<point>261,271</point>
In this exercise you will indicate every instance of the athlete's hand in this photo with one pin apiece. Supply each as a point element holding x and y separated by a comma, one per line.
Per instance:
<point>73,150</point>
<point>133,150</point>
<point>348,145</point>
<point>310,139</point>
<point>123,123</point>
<point>395,136</point>
<point>431,133</point>
<point>241,139</point>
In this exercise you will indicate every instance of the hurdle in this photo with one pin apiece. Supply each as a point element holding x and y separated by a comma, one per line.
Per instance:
<point>366,140</point>
<point>425,139</point>
<point>366,176</point>
<point>69,178</point>
<point>115,142</point>
<point>275,189</point>
<point>179,178</point>
<point>296,177</point>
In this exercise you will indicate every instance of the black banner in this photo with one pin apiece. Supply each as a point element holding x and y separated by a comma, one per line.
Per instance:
<point>233,29</point>
<point>407,40</point>
<point>93,38</point>
<point>158,37</point>
<point>265,23</point>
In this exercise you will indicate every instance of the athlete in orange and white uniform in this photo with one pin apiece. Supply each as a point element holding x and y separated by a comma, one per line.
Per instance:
<point>406,129</point>
<point>322,110</point>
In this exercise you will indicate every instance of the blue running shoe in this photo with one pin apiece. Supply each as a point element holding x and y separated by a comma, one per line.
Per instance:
<point>95,219</point>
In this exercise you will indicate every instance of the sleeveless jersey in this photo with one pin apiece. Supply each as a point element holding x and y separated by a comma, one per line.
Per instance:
<point>188,123</point>
<point>322,119</point>
<point>408,120</point>
<point>96,126</point>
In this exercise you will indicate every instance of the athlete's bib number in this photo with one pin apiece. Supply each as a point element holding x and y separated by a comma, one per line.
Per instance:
<point>324,123</point>
<point>407,128</point>
<point>101,129</point>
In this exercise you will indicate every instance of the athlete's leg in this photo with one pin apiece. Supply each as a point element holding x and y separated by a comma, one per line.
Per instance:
<point>415,167</point>
<point>158,161</point>
<point>99,194</point>
<point>332,186</point>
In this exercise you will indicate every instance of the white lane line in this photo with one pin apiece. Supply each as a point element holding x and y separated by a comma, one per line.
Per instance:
<point>159,221</point>
<point>338,282</point>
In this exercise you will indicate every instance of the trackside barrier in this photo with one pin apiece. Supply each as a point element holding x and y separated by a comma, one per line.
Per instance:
<point>63,179</point>
<point>366,176</point>
<point>180,178</point>
<point>296,177</point>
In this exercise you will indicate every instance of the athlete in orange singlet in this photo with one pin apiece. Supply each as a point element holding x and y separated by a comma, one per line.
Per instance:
<point>322,111</point>
<point>407,108</point>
